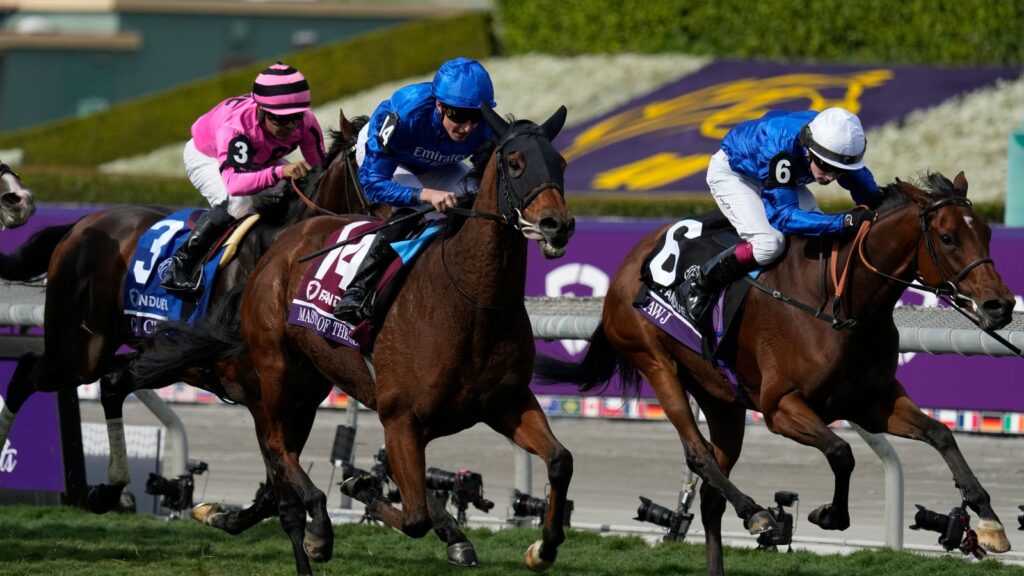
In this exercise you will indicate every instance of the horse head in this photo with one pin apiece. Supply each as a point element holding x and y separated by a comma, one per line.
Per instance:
<point>17,203</point>
<point>531,180</point>
<point>953,252</point>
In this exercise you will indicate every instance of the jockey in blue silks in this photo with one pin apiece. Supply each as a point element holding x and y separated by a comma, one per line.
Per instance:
<point>411,152</point>
<point>759,180</point>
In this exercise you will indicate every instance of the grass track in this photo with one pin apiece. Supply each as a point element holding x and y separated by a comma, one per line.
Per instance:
<point>51,541</point>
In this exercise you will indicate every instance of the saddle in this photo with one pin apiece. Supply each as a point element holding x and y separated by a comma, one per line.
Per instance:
<point>686,245</point>
<point>328,275</point>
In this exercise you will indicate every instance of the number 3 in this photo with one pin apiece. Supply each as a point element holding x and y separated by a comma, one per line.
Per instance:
<point>241,157</point>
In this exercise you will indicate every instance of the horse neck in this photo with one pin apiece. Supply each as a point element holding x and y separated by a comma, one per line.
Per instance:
<point>490,256</point>
<point>891,247</point>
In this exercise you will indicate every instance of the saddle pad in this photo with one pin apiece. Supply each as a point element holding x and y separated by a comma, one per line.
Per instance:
<point>146,303</point>
<point>324,282</point>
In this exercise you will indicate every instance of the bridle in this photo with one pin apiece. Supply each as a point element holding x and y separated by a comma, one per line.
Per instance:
<point>513,198</point>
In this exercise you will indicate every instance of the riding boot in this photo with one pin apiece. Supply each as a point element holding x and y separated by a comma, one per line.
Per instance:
<point>702,285</point>
<point>185,272</point>
<point>356,304</point>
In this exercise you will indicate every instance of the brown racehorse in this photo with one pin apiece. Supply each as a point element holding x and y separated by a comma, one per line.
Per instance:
<point>17,203</point>
<point>86,265</point>
<point>454,350</point>
<point>800,372</point>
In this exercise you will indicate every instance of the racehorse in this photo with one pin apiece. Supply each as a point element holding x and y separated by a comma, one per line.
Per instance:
<point>799,371</point>
<point>86,264</point>
<point>455,348</point>
<point>17,203</point>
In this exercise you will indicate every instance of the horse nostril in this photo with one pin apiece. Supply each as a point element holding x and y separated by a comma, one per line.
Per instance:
<point>998,307</point>
<point>10,199</point>
<point>550,225</point>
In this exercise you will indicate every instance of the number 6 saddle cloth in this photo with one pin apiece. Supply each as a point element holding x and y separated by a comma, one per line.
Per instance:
<point>682,249</point>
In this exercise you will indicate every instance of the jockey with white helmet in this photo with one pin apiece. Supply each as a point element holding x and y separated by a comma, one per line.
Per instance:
<point>411,152</point>
<point>238,149</point>
<point>759,179</point>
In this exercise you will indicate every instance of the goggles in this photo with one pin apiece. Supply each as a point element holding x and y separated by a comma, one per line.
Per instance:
<point>286,120</point>
<point>462,115</point>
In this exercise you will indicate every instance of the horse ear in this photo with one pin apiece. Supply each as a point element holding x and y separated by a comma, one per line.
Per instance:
<point>344,126</point>
<point>552,126</point>
<point>497,124</point>
<point>960,183</point>
<point>913,192</point>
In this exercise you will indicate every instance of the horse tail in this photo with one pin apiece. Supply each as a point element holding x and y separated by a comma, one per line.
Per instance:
<point>32,258</point>
<point>595,371</point>
<point>179,347</point>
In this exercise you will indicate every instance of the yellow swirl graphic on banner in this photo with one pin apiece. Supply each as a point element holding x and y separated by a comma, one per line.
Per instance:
<point>713,111</point>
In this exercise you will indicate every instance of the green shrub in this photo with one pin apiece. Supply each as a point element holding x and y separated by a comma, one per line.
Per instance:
<point>143,124</point>
<point>945,32</point>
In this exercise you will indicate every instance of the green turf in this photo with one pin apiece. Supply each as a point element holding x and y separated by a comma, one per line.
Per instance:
<point>43,541</point>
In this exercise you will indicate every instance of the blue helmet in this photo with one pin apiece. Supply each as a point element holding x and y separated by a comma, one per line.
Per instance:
<point>463,83</point>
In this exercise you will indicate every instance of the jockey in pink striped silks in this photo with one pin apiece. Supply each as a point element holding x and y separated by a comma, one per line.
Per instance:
<point>238,149</point>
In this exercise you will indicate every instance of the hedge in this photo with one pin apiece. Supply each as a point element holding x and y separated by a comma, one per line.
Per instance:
<point>942,32</point>
<point>333,71</point>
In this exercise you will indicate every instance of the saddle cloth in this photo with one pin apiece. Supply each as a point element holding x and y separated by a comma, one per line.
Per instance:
<point>146,303</point>
<point>329,274</point>
<point>687,244</point>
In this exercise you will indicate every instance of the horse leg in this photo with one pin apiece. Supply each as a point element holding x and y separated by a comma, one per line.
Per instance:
<point>21,386</point>
<point>699,455</point>
<point>727,425</point>
<point>907,420</point>
<point>524,423</point>
<point>405,445</point>
<point>113,390</point>
<point>234,522</point>
<point>283,436</point>
<point>794,419</point>
<point>460,549</point>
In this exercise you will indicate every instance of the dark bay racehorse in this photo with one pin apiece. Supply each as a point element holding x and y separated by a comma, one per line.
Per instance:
<point>800,372</point>
<point>17,203</point>
<point>455,348</point>
<point>86,264</point>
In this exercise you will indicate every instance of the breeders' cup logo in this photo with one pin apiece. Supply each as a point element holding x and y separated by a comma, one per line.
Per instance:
<point>8,456</point>
<point>563,280</point>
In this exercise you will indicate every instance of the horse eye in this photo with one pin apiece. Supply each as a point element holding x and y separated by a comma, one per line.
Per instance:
<point>946,239</point>
<point>513,165</point>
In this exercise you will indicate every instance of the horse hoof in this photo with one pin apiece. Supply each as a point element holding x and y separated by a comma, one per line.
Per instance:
<point>205,512</point>
<point>992,537</point>
<point>463,554</point>
<point>533,560</point>
<point>102,498</point>
<point>318,549</point>
<point>826,518</point>
<point>759,523</point>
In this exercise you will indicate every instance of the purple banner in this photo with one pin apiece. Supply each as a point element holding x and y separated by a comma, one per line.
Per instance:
<point>933,381</point>
<point>31,458</point>
<point>594,255</point>
<point>662,142</point>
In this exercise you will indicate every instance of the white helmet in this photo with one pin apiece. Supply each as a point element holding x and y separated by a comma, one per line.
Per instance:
<point>836,137</point>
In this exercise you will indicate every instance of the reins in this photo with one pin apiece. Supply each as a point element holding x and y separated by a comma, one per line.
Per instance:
<point>349,154</point>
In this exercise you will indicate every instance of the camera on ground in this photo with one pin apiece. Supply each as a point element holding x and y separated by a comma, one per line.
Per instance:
<point>176,493</point>
<point>782,533</point>
<point>954,529</point>
<point>526,506</point>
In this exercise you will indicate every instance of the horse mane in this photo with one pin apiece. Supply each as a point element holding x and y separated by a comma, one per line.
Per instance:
<point>935,184</point>
<point>338,141</point>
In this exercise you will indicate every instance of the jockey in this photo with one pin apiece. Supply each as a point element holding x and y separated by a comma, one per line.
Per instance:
<point>759,179</point>
<point>238,149</point>
<point>411,153</point>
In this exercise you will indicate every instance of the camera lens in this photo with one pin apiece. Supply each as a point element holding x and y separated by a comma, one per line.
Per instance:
<point>654,513</point>
<point>438,479</point>
<point>526,505</point>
